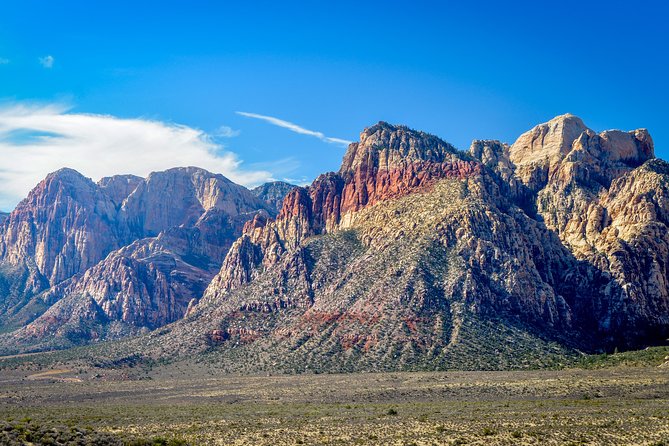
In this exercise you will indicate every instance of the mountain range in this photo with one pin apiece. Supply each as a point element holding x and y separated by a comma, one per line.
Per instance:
<point>413,255</point>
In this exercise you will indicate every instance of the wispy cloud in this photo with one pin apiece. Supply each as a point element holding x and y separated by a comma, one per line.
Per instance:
<point>47,61</point>
<point>38,139</point>
<point>4,61</point>
<point>226,132</point>
<point>295,128</point>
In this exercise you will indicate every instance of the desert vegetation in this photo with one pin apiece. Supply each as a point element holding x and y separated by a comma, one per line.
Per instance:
<point>617,399</point>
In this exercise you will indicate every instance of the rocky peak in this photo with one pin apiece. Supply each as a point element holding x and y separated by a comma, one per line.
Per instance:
<point>548,140</point>
<point>273,193</point>
<point>118,187</point>
<point>391,161</point>
<point>63,183</point>
<point>564,150</point>
<point>634,147</point>
<point>180,196</point>
<point>295,221</point>
<point>63,226</point>
<point>388,162</point>
<point>385,146</point>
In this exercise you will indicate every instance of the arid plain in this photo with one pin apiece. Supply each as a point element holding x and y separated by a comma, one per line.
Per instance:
<point>613,399</point>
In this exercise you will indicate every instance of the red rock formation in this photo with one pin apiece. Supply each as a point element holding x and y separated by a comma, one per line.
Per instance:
<point>511,262</point>
<point>391,161</point>
<point>388,162</point>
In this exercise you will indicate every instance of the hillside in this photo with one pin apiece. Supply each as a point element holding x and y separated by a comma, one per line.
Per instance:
<point>414,255</point>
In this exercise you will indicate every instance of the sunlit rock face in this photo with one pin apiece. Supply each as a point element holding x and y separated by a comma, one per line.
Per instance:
<point>564,230</point>
<point>139,249</point>
<point>412,255</point>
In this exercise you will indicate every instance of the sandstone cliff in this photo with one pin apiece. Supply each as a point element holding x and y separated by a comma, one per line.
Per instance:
<point>137,251</point>
<point>415,253</point>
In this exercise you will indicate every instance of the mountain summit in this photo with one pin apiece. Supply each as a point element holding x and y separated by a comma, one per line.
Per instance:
<point>412,255</point>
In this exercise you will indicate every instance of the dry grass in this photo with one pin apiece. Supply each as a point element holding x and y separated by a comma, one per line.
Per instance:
<point>196,403</point>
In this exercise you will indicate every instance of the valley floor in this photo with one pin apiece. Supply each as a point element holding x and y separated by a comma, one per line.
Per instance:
<point>193,402</point>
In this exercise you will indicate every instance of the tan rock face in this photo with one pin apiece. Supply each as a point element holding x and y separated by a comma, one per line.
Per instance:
<point>565,150</point>
<point>180,197</point>
<point>605,200</point>
<point>138,250</point>
<point>64,226</point>
<point>555,231</point>
<point>411,255</point>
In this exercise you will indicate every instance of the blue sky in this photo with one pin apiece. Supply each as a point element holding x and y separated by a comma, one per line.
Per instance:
<point>460,70</point>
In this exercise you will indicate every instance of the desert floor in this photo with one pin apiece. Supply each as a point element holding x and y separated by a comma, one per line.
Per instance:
<point>192,403</point>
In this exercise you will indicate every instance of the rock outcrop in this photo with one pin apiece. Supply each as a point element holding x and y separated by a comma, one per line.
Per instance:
<point>139,250</point>
<point>388,162</point>
<point>413,255</point>
<point>63,227</point>
<point>273,193</point>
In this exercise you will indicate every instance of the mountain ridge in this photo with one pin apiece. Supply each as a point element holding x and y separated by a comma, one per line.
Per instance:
<point>133,251</point>
<point>415,253</point>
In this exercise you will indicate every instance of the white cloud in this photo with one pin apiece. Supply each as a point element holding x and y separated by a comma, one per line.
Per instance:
<point>47,61</point>
<point>36,140</point>
<point>227,132</point>
<point>295,128</point>
<point>4,61</point>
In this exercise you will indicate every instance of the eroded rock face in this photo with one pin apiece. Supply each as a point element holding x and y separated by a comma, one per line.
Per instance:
<point>389,161</point>
<point>64,226</point>
<point>136,251</point>
<point>119,187</point>
<point>412,255</point>
<point>603,195</point>
<point>563,231</point>
<point>565,150</point>
<point>181,196</point>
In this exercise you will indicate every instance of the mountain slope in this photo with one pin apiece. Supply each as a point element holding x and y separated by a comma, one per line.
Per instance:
<point>163,239</point>
<point>415,255</point>
<point>273,193</point>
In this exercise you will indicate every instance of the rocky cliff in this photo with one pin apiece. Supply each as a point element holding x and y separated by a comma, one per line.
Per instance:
<point>273,193</point>
<point>416,255</point>
<point>135,251</point>
<point>413,255</point>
